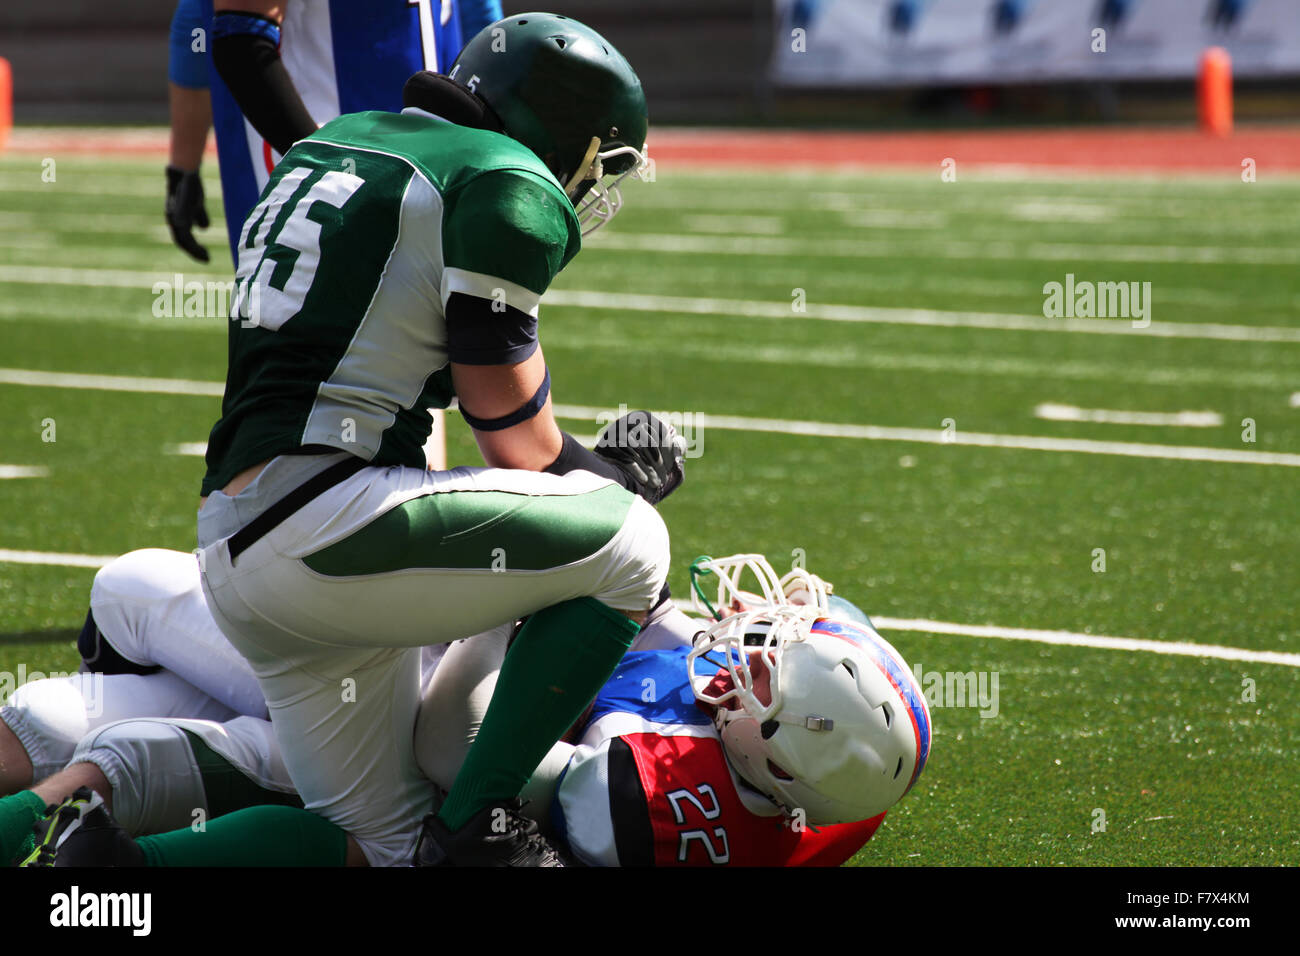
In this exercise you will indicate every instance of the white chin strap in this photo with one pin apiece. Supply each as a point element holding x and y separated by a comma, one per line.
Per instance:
<point>603,201</point>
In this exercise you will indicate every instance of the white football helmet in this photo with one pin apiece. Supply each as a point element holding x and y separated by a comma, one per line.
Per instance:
<point>846,731</point>
<point>738,591</point>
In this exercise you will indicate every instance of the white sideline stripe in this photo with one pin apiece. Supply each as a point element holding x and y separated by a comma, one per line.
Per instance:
<point>926,436</point>
<point>1028,250</point>
<point>1295,400</point>
<point>990,366</point>
<point>200,448</point>
<point>1053,412</point>
<point>1072,639</point>
<point>119,278</point>
<point>58,560</point>
<point>1069,638</point>
<point>23,471</point>
<point>934,436</point>
<point>1182,648</point>
<point>745,308</point>
<point>195,448</point>
<point>110,383</point>
<point>741,308</point>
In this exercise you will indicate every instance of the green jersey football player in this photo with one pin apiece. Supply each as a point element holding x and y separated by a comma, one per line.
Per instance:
<point>393,262</point>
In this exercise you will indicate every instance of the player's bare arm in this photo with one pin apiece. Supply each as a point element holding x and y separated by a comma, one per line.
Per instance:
<point>497,392</point>
<point>271,9</point>
<point>191,119</point>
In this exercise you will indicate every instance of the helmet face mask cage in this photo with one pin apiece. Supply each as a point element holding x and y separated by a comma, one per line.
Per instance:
<point>813,591</point>
<point>594,193</point>
<point>730,643</point>
<point>747,581</point>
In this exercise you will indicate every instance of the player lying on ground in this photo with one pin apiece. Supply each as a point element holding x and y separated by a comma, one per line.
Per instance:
<point>158,654</point>
<point>642,734</point>
<point>395,260</point>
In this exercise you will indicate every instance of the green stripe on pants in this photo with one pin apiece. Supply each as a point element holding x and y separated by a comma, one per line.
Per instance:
<point>226,787</point>
<point>495,530</point>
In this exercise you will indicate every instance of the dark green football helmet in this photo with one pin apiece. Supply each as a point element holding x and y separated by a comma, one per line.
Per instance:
<point>563,91</point>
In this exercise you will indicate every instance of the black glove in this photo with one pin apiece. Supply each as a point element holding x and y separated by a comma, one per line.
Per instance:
<point>185,210</point>
<point>647,450</point>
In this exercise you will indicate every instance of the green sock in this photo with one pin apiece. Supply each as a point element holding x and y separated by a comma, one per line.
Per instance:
<point>256,836</point>
<point>19,813</point>
<point>556,665</point>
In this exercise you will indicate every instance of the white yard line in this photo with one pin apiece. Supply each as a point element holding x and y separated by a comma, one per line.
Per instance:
<point>1026,250</point>
<point>1073,639</point>
<point>704,421</point>
<point>23,471</point>
<point>1054,412</point>
<point>934,436</point>
<point>110,383</point>
<point>784,311</point>
<point>994,366</point>
<point>923,625</point>
<point>8,556</point>
<point>741,308</point>
<point>196,449</point>
<point>926,436</point>
<point>118,278</point>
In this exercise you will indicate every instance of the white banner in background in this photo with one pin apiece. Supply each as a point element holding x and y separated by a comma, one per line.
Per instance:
<point>930,42</point>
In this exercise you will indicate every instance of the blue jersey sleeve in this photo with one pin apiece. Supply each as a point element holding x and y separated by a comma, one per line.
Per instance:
<point>653,685</point>
<point>477,14</point>
<point>185,66</point>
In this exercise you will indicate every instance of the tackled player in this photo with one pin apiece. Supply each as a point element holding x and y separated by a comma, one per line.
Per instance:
<point>747,757</point>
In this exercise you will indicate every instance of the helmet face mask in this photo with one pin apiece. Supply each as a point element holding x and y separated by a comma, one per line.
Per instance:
<point>593,191</point>
<point>557,85</point>
<point>747,581</point>
<point>844,730</point>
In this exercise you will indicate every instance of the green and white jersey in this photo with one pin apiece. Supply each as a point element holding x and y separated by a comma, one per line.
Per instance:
<point>339,332</point>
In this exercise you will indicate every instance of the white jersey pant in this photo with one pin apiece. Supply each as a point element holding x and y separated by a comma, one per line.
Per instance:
<point>51,716</point>
<point>331,606</point>
<point>163,781</point>
<point>149,605</point>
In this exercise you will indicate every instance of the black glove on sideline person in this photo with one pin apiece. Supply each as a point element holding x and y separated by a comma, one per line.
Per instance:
<point>185,210</point>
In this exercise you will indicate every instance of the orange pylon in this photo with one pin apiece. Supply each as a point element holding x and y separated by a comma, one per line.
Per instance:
<point>6,101</point>
<point>1214,91</point>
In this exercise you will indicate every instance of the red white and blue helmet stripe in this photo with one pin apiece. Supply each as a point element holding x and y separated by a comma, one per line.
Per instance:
<point>894,668</point>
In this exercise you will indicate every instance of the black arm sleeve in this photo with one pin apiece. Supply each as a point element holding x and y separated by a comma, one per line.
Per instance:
<point>250,66</point>
<point>573,457</point>
<point>484,332</point>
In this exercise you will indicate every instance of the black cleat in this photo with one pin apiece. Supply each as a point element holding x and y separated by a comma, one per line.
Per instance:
<point>498,835</point>
<point>81,832</point>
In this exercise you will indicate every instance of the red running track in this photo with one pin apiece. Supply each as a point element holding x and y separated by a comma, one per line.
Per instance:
<point>1093,148</point>
<point>1113,149</point>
